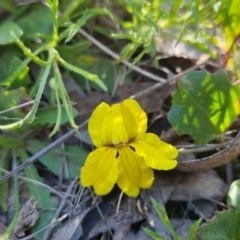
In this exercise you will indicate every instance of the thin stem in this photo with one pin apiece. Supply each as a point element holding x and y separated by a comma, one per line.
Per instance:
<point>59,210</point>
<point>116,56</point>
<point>208,147</point>
<point>69,10</point>
<point>59,113</point>
<point>18,106</point>
<point>23,65</point>
<point>54,6</point>
<point>52,190</point>
<point>82,72</point>
<point>16,201</point>
<point>119,202</point>
<point>100,212</point>
<point>28,52</point>
<point>62,92</point>
<point>31,115</point>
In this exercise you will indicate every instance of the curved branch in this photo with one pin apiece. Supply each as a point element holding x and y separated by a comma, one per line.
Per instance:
<point>215,160</point>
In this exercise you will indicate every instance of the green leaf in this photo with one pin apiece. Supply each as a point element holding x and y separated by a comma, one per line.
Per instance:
<point>71,52</point>
<point>9,6</point>
<point>83,73</point>
<point>9,142</point>
<point>89,13</point>
<point>5,32</point>
<point>204,105</point>
<point>41,194</point>
<point>110,74</point>
<point>9,63</point>
<point>74,155</point>
<point>37,21</point>
<point>193,228</point>
<point>127,51</point>
<point>233,197</point>
<point>152,234</point>
<point>49,116</point>
<point>4,187</point>
<point>9,99</point>
<point>162,215</point>
<point>223,226</point>
<point>228,16</point>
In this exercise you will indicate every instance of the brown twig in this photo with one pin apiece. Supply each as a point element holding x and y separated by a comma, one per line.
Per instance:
<point>215,160</point>
<point>59,210</point>
<point>116,56</point>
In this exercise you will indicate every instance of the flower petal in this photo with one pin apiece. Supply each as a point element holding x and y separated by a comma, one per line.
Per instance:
<point>157,154</point>
<point>133,172</point>
<point>100,170</point>
<point>123,124</point>
<point>112,125</point>
<point>138,113</point>
<point>96,122</point>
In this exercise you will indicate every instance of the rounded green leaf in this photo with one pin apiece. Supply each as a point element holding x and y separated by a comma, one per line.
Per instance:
<point>223,226</point>
<point>6,31</point>
<point>204,105</point>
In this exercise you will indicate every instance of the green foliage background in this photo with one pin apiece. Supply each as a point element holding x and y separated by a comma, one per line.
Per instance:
<point>46,38</point>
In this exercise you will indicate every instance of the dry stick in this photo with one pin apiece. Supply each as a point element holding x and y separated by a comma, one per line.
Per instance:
<point>100,213</point>
<point>52,190</point>
<point>215,160</point>
<point>159,85</point>
<point>195,149</point>
<point>59,210</point>
<point>162,81</point>
<point>116,56</point>
<point>18,106</point>
<point>45,150</point>
<point>61,219</point>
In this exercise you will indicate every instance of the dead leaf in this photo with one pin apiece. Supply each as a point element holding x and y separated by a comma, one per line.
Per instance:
<point>179,186</point>
<point>119,222</point>
<point>72,229</point>
<point>28,216</point>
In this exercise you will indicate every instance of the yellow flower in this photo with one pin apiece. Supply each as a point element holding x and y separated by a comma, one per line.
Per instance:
<point>125,154</point>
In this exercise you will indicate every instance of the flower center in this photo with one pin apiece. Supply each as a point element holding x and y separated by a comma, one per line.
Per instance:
<point>119,145</point>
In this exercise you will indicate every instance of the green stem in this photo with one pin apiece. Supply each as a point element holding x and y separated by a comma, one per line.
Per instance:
<point>59,112</point>
<point>16,201</point>
<point>27,51</point>
<point>23,65</point>
<point>63,94</point>
<point>86,74</point>
<point>69,10</point>
<point>4,162</point>
<point>54,7</point>
<point>31,115</point>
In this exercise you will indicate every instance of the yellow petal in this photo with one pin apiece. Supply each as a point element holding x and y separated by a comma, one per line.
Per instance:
<point>123,124</point>
<point>138,113</point>
<point>106,128</point>
<point>100,170</point>
<point>112,125</point>
<point>133,172</point>
<point>95,124</point>
<point>157,154</point>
